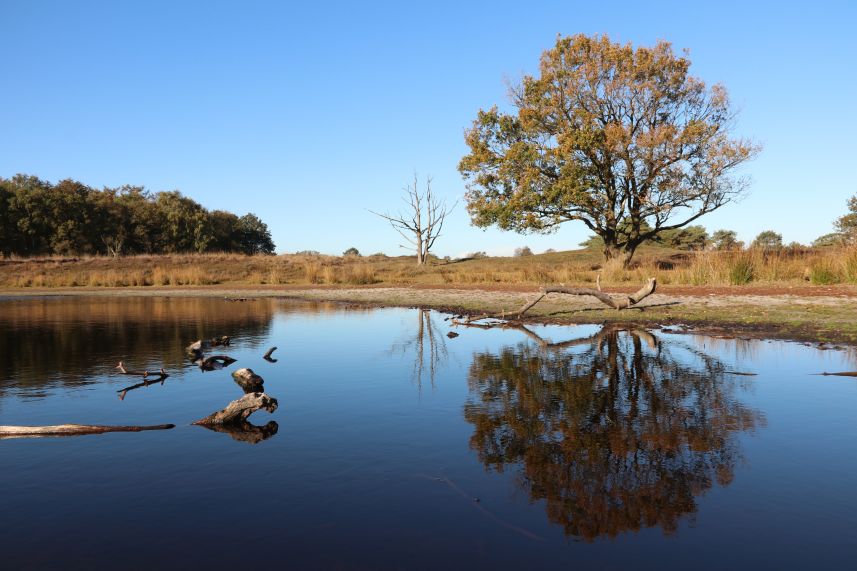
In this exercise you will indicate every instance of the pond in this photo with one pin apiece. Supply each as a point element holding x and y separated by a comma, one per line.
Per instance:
<point>397,447</point>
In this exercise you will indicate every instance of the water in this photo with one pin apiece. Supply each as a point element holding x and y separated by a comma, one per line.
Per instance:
<point>395,447</point>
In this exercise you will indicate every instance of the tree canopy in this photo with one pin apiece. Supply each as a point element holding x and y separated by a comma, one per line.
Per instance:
<point>726,240</point>
<point>768,240</point>
<point>622,139</point>
<point>71,218</point>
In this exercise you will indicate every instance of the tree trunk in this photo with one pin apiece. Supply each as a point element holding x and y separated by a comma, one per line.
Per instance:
<point>616,252</point>
<point>420,257</point>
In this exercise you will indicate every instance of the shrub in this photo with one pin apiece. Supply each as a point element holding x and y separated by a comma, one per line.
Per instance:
<point>351,252</point>
<point>823,272</point>
<point>523,251</point>
<point>742,270</point>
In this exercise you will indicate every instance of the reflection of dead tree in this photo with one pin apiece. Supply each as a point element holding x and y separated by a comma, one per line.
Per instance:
<point>148,379</point>
<point>436,352</point>
<point>72,430</point>
<point>423,221</point>
<point>245,432</point>
<point>606,329</point>
<point>145,383</point>
<point>623,302</point>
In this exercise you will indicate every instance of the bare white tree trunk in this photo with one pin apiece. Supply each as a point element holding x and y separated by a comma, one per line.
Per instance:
<point>422,223</point>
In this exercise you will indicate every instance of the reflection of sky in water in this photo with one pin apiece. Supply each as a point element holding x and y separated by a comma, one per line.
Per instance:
<point>352,474</point>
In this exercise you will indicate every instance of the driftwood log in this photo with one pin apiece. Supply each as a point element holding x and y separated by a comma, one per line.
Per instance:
<point>145,374</point>
<point>615,302</point>
<point>238,410</point>
<point>267,355</point>
<point>73,430</point>
<point>249,381</point>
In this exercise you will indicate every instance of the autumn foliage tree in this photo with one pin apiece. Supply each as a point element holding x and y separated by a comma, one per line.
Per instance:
<point>622,139</point>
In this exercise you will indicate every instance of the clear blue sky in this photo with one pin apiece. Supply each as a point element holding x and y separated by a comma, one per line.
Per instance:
<point>310,114</point>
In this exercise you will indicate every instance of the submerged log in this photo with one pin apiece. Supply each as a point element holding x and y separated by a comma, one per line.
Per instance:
<point>249,381</point>
<point>146,382</point>
<point>267,355</point>
<point>73,429</point>
<point>238,410</point>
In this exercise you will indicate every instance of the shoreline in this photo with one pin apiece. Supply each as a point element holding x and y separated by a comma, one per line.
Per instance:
<point>825,315</point>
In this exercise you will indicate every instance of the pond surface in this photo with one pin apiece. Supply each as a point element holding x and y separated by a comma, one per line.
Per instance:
<point>396,447</point>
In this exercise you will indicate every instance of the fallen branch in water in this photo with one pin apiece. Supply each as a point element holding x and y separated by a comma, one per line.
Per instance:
<point>617,303</point>
<point>842,374</point>
<point>162,373</point>
<point>267,355</point>
<point>73,429</point>
<point>238,410</point>
<point>145,383</point>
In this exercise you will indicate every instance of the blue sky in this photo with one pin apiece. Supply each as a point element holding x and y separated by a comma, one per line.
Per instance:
<point>308,115</point>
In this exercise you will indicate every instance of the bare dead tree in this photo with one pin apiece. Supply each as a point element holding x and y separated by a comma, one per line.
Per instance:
<point>423,220</point>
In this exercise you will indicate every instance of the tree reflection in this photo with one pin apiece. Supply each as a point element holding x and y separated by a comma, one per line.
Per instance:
<point>622,435</point>
<point>428,346</point>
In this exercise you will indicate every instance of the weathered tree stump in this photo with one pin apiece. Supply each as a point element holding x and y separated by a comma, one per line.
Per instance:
<point>238,410</point>
<point>249,381</point>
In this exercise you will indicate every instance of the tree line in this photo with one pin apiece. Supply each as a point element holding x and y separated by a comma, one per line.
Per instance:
<point>70,218</point>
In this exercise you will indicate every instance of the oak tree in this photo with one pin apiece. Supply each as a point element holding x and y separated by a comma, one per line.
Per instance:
<point>622,139</point>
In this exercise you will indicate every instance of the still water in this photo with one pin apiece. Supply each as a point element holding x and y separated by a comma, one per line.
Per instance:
<point>396,447</point>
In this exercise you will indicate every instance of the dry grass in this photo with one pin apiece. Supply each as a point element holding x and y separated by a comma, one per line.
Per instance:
<point>824,266</point>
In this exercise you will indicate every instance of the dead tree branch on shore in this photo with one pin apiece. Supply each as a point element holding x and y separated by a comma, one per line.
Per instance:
<point>618,303</point>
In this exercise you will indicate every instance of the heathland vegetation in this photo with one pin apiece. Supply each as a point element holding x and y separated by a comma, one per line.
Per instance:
<point>621,139</point>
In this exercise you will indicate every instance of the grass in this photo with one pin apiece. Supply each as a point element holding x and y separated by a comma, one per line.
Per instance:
<point>579,267</point>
